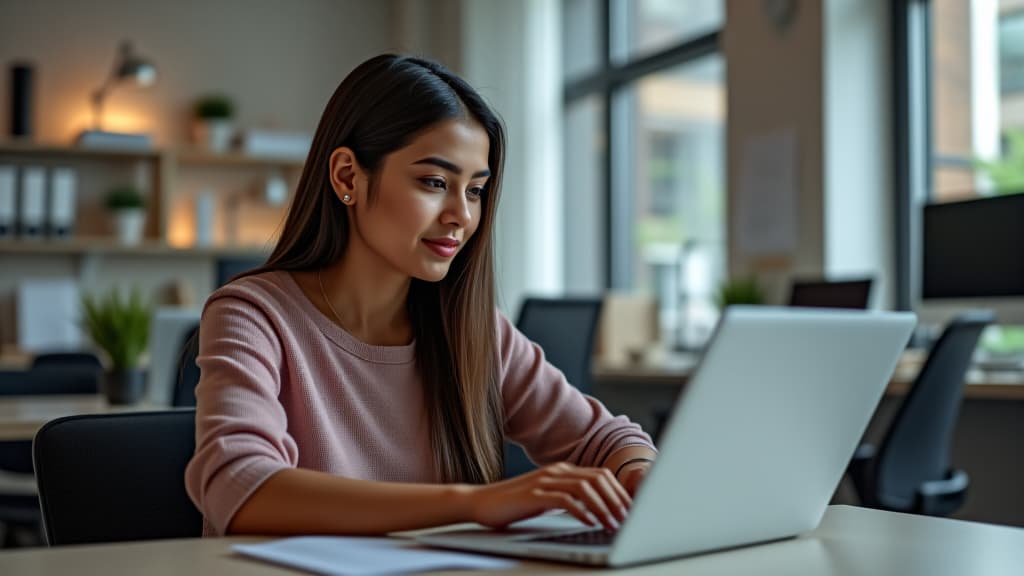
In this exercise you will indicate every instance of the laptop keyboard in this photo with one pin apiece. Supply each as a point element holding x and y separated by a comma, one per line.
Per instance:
<point>588,538</point>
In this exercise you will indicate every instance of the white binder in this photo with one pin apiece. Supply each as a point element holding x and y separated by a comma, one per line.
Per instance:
<point>32,204</point>
<point>8,200</point>
<point>63,188</point>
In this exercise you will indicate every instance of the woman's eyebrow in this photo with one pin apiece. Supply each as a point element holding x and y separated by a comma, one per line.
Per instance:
<point>446,165</point>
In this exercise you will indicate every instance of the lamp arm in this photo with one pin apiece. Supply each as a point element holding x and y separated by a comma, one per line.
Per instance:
<point>101,93</point>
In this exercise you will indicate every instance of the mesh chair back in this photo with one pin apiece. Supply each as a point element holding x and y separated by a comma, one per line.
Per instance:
<point>564,328</point>
<point>916,447</point>
<point>116,477</point>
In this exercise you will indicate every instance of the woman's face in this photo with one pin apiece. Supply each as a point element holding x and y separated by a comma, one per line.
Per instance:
<point>428,200</point>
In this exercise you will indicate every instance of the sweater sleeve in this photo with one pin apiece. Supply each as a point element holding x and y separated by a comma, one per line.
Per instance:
<point>547,416</point>
<point>241,427</point>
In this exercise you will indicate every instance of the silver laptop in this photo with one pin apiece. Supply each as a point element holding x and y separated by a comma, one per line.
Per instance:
<point>755,446</point>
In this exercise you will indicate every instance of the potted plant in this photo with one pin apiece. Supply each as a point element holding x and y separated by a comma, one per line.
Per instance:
<point>213,128</point>
<point>121,329</point>
<point>128,207</point>
<point>739,291</point>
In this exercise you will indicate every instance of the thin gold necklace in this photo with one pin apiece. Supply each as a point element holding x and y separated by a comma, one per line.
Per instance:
<point>323,293</point>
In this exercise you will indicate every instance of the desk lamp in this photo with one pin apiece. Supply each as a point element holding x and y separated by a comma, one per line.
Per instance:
<point>127,66</point>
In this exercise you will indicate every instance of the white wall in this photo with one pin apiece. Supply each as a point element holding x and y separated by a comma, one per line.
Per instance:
<point>511,55</point>
<point>859,226</point>
<point>280,59</point>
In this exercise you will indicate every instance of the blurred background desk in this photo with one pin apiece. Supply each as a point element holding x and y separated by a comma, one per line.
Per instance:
<point>22,416</point>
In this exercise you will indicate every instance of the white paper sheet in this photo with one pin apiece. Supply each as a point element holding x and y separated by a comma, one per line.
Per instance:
<point>768,194</point>
<point>342,556</point>
<point>48,315</point>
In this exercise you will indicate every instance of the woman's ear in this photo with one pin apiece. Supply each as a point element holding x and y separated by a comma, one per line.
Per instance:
<point>347,177</point>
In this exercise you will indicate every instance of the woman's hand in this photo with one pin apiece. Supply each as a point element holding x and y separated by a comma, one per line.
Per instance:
<point>592,495</point>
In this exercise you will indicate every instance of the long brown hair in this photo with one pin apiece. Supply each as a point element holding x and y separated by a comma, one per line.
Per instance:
<point>377,109</point>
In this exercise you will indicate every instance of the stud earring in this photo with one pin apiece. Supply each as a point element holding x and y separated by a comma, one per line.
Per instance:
<point>346,198</point>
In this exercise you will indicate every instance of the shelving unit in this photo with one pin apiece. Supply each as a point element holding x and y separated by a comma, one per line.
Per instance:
<point>164,176</point>
<point>167,263</point>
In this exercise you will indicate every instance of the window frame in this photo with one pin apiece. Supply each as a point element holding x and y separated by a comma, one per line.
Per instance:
<point>606,82</point>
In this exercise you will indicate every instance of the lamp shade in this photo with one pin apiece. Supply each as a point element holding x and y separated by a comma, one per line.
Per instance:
<point>142,71</point>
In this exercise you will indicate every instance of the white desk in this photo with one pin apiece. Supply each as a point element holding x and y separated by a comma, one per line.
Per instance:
<point>850,541</point>
<point>22,416</point>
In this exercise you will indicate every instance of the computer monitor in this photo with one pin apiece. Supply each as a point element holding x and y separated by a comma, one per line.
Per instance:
<point>850,293</point>
<point>167,331</point>
<point>973,257</point>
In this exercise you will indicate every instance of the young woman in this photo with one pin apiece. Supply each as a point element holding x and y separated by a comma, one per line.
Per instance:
<point>362,381</point>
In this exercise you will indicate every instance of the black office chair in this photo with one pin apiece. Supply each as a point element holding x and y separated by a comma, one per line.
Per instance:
<point>116,477</point>
<point>19,512</point>
<point>564,328</point>
<point>910,470</point>
<point>186,373</point>
<point>67,359</point>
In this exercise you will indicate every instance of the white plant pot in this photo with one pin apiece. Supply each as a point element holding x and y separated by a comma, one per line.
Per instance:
<point>214,135</point>
<point>130,225</point>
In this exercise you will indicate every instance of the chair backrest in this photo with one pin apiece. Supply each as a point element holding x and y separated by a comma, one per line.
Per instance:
<point>916,446</point>
<point>564,328</point>
<point>51,379</point>
<point>853,294</point>
<point>116,477</point>
<point>186,373</point>
<point>86,359</point>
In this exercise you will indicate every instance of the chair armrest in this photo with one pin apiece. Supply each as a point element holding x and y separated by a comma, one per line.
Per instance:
<point>942,497</point>
<point>864,452</point>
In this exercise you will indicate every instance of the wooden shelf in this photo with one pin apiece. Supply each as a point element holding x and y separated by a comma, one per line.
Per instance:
<point>100,246</point>
<point>203,158</point>
<point>186,156</point>
<point>26,148</point>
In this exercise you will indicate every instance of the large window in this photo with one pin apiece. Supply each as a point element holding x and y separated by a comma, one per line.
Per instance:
<point>645,145</point>
<point>977,54</point>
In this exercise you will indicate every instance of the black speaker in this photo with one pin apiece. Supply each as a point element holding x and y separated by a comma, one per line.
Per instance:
<point>21,100</point>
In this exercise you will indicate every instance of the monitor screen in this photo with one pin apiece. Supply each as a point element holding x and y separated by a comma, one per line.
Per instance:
<point>974,249</point>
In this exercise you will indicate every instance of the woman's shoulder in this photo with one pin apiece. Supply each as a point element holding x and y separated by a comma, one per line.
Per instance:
<point>272,290</point>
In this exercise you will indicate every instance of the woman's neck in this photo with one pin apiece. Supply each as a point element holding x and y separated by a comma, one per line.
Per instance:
<point>368,300</point>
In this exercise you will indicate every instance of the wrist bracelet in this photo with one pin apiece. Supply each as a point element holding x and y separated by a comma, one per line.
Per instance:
<point>631,461</point>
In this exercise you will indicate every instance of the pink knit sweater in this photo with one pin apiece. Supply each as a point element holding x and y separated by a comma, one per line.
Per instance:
<point>283,386</point>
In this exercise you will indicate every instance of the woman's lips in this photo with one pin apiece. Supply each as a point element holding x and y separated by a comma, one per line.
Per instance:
<point>445,248</point>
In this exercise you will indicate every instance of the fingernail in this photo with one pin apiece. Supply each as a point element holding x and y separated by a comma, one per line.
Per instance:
<point>623,513</point>
<point>592,519</point>
<point>615,523</point>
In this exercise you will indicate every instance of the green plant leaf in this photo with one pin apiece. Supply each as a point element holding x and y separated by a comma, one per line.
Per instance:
<point>119,326</point>
<point>739,291</point>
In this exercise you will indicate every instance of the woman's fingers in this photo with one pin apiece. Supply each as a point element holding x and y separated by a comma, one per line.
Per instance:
<point>557,499</point>
<point>581,490</point>
<point>609,479</point>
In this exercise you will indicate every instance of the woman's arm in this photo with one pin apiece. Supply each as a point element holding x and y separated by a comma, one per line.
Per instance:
<point>299,501</point>
<point>552,420</point>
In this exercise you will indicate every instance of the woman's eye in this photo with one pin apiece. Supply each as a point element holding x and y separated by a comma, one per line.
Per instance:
<point>434,183</point>
<point>476,191</point>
